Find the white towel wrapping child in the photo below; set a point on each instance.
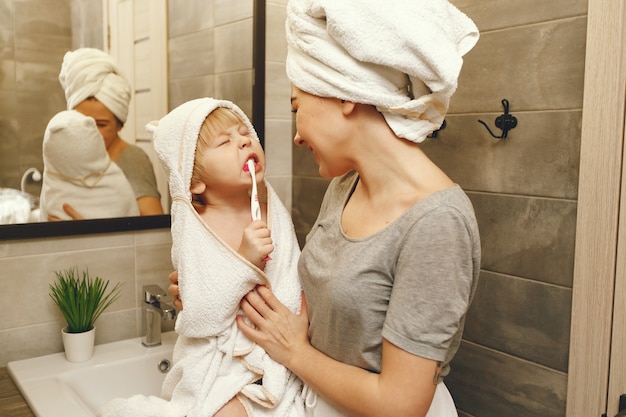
(79, 172)
(213, 361)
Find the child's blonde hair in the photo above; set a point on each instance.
(215, 123)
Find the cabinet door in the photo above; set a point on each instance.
(137, 40)
(617, 367)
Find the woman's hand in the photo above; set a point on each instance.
(256, 243)
(174, 290)
(281, 333)
(69, 210)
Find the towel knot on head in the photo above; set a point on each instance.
(89, 72)
(404, 57)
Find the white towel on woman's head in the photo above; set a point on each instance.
(79, 172)
(213, 360)
(402, 56)
(89, 72)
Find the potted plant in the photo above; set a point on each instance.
(81, 300)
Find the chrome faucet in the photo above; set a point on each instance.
(155, 311)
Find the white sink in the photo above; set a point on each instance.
(52, 386)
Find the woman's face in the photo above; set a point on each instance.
(321, 127)
(224, 160)
(105, 120)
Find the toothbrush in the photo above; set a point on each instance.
(255, 209)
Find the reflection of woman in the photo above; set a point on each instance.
(79, 172)
(94, 86)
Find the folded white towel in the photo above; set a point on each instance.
(78, 171)
(402, 56)
(213, 360)
(89, 72)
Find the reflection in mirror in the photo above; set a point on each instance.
(212, 51)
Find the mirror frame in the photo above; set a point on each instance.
(124, 224)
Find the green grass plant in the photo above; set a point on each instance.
(82, 300)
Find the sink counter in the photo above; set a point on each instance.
(54, 387)
(12, 403)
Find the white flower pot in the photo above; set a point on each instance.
(78, 346)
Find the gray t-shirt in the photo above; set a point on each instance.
(138, 169)
(411, 282)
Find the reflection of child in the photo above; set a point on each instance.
(79, 172)
(220, 254)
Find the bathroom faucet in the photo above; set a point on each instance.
(154, 312)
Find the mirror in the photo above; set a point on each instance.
(35, 34)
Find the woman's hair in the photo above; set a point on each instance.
(215, 123)
(117, 119)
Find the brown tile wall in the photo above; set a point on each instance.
(34, 35)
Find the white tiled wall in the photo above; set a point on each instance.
(31, 323)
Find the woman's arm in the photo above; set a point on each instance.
(405, 386)
(149, 206)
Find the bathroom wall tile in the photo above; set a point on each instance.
(277, 91)
(227, 11)
(185, 89)
(538, 67)
(192, 55)
(236, 86)
(308, 193)
(37, 47)
(7, 52)
(42, 17)
(30, 341)
(32, 287)
(116, 325)
(87, 21)
(153, 264)
(304, 164)
(64, 244)
(188, 16)
(34, 109)
(6, 14)
(275, 40)
(540, 157)
(233, 46)
(497, 14)
(9, 140)
(278, 147)
(153, 236)
(33, 112)
(283, 188)
(45, 338)
(487, 383)
(525, 318)
(527, 237)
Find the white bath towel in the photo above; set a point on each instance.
(78, 171)
(213, 360)
(402, 56)
(89, 72)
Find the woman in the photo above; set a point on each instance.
(94, 86)
(391, 264)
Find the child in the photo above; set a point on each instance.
(79, 172)
(221, 254)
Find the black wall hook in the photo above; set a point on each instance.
(505, 121)
(436, 132)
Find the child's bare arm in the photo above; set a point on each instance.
(233, 408)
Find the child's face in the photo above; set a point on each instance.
(224, 160)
